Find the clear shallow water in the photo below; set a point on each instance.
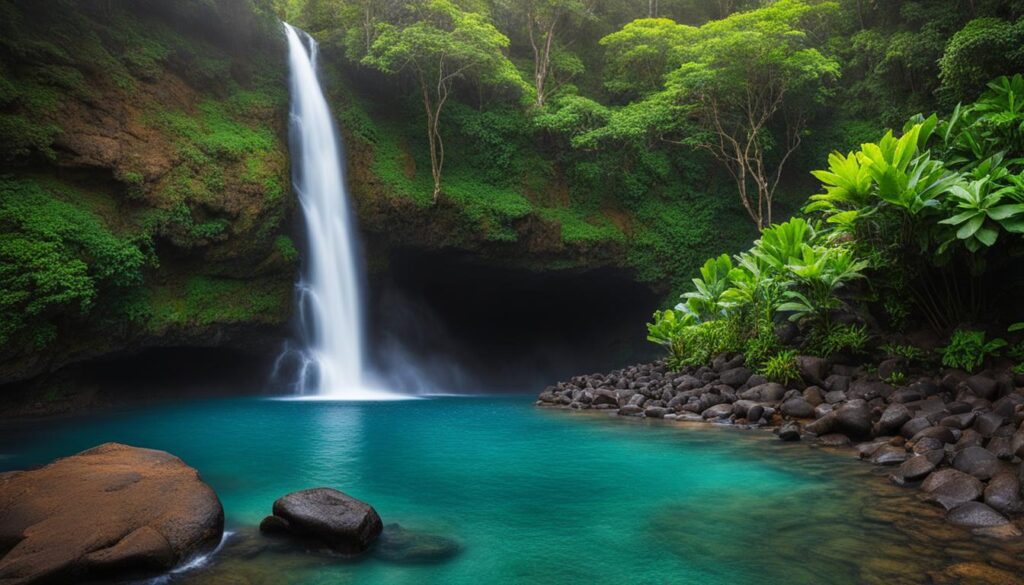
(534, 496)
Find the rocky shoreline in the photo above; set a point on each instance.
(958, 438)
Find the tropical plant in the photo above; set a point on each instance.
(897, 378)
(908, 352)
(983, 210)
(839, 338)
(706, 301)
(782, 367)
(968, 349)
(669, 330)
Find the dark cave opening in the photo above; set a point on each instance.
(489, 328)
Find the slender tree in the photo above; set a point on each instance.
(437, 43)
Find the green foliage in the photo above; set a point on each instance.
(286, 248)
(782, 367)
(983, 49)
(968, 350)
(205, 300)
(214, 131)
(908, 352)
(838, 338)
(670, 329)
(55, 259)
(897, 378)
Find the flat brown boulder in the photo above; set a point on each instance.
(109, 512)
(327, 517)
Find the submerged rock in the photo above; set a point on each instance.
(110, 511)
(325, 516)
(399, 545)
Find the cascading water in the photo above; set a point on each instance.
(329, 296)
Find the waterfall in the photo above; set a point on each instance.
(330, 309)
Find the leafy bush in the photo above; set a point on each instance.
(839, 338)
(921, 213)
(782, 367)
(908, 352)
(55, 258)
(968, 350)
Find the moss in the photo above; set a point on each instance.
(207, 300)
(286, 248)
(215, 132)
(21, 137)
(580, 227)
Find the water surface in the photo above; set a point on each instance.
(534, 495)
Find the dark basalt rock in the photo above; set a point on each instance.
(917, 468)
(113, 510)
(977, 461)
(982, 387)
(736, 377)
(889, 455)
(797, 408)
(949, 488)
(975, 515)
(893, 418)
(1003, 493)
(812, 369)
(789, 432)
(327, 517)
(854, 420)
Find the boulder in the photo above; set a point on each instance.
(789, 431)
(893, 418)
(917, 467)
(770, 392)
(977, 461)
(988, 423)
(813, 370)
(959, 421)
(914, 426)
(655, 412)
(327, 517)
(982, 387)
(755, 413)
(797, 408)
(975, 515)
(605, 396)
(736, 377)
(823, 425)
(941, 433)
(1003, 493)
(814, 395)
(631, 410)
(110, 511)
(949, 488)
(889, 455)
(717, 411)
(853, 419)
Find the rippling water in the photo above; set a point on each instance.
(536, 496)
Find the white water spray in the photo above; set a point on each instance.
(333, 364)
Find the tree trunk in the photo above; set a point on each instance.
(433, 137)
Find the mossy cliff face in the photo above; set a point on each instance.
(509, 199)
(144, 191)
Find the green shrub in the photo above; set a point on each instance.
(55, 258)
(781, 367)
(968, 350)
(908, 352)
